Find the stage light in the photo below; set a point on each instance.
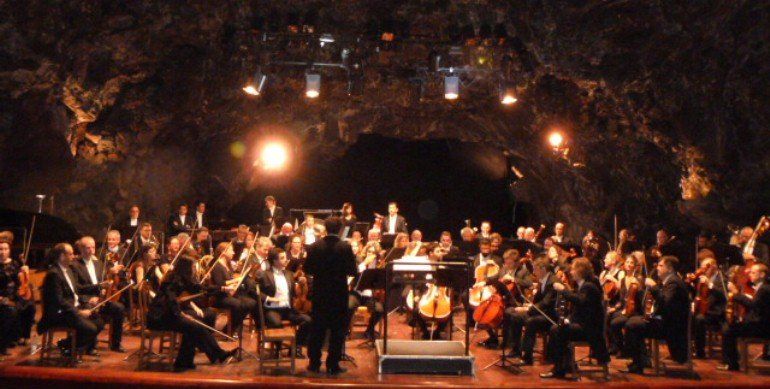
(451, 87)
(312, 85)
(507, 94)
(256, 84)
(556, 139)
(273, 156)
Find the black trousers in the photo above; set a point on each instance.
(731, 333)
(638, 328)
(532, 326)
(700, 323)
(335, 322)
(193, 336)
(376, 310)
(240, 307)
(617, 321)
(273, 317)
(115, 314)
(559, 338)
(86, 329)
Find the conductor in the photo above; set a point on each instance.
(330, 261)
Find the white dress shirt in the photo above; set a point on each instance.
(199, 219)
(69, 282)
(133, 222)
(91, 270)
(281, 290)
(392, 224)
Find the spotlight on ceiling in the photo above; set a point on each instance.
(312, 85)
(255, 84)
(556, 139)
(273, 156)
(451, 87)
(508, 94)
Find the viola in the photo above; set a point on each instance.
(301, 302)
(630, 306)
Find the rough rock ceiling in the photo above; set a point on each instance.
(664, 103)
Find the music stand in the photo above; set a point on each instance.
(387, 240)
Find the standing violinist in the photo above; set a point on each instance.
(531, 316)
(668, 319)
(91, 272)
(16, 313)
(585, 322)
(755, 322)
(710, 302)
(627, 305)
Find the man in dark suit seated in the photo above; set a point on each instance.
(669, 319)
(180, 221)
(530, 316)
(585, 322)
(755, 321)
(91, 272)
(277, 284)
(62, 305)
(330, 261)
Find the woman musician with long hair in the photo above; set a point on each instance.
(170, 311)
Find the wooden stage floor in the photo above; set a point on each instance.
(21, 370)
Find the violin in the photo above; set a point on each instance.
(24, 291)
(301, 302)
(630, 303)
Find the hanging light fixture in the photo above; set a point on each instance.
(507, 94)
(255, 84)
(451, 87)
(312, 85)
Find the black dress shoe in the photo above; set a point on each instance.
(490, 344)
(552, 374)
(118, 349)
(633, 368)
(336, 371)
(227, 356)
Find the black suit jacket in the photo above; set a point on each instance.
(267, 284)
(176, 226)
(400, 224)
(545, 300)
(58, 299)
(330, 261)
(84, 280)
(672, 304)
(588, 310)
(126, 229)
(277, 217)
(759, 306)
(194, 216)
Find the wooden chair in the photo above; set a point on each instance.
(713, 338)
(748, 363)
(277, 337)
(589, 368)
(49, 349)
(167, 340)
(659, 366)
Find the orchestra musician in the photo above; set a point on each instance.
(17, 314)
(281, 238)
(668, 319)
(145, 270)
(393, 223)
(356, 242)
(91, 272)
(239, 241)
(485, 254)
(128, 225)
(485, 230)
(760, 251)
(513, 272)
(558, 233)
(307, 229)
(63, 305)
(145, 238)
(223, 289)
(180, 221)
(272, 215)
(201, 218)
(710, 302)
(531, 318)
(446, 246)
(167, 313)
(349, 220)
(296, 253)
(329, 261)
(277, 285)
(627, 304)
(585, 321)
(755, 322)
(369, 258)
(203, 243)
(172, 249)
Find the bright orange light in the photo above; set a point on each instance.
(508, 99)
(250, 89)
(273, 156)
(555, 139)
